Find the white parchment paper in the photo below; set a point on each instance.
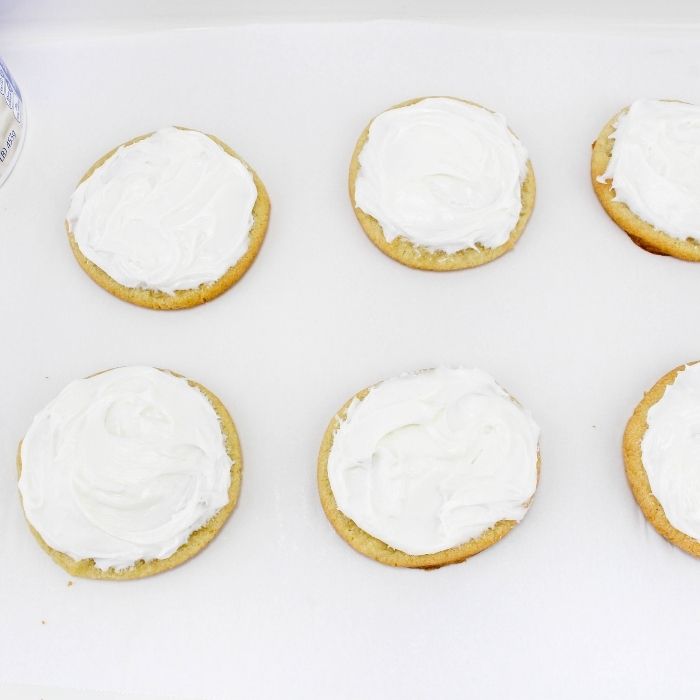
(583, 599)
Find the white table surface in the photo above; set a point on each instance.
(583, 599)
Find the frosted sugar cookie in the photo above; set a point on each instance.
(645, 170)
(428, 468)
(661, 448)
(168, 220)
(439, 183)
(129, 472)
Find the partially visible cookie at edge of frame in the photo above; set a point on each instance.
(183, 298)
(197, 540)
(636, 473)
(639, 231)
(374, 548)
(419, 257)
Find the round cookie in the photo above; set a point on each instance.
(423, 258)
(197, 540)
(376, 549)
(637, 476)
(641, 232)
(181, 298)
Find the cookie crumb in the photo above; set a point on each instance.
(70, 583)
(43, 622)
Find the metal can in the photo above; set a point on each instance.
(13, 120)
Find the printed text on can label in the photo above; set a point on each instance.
(8, 145)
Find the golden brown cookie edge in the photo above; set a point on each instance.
(374, 548)
(418, 257)
(197, 541)
(639, 231)
(636, 473)
(184, 298)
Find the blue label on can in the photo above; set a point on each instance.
(10, 92)
(12, 122)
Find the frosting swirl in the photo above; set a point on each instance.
(431, 460)
(655, 165)
(124, 466)
(671, 451)
(442, 173)
(169, 212)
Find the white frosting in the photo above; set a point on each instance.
(170, 212)
(442, 173)
(655, 165)
(430, 460)
(124, 466)
(671, 451)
